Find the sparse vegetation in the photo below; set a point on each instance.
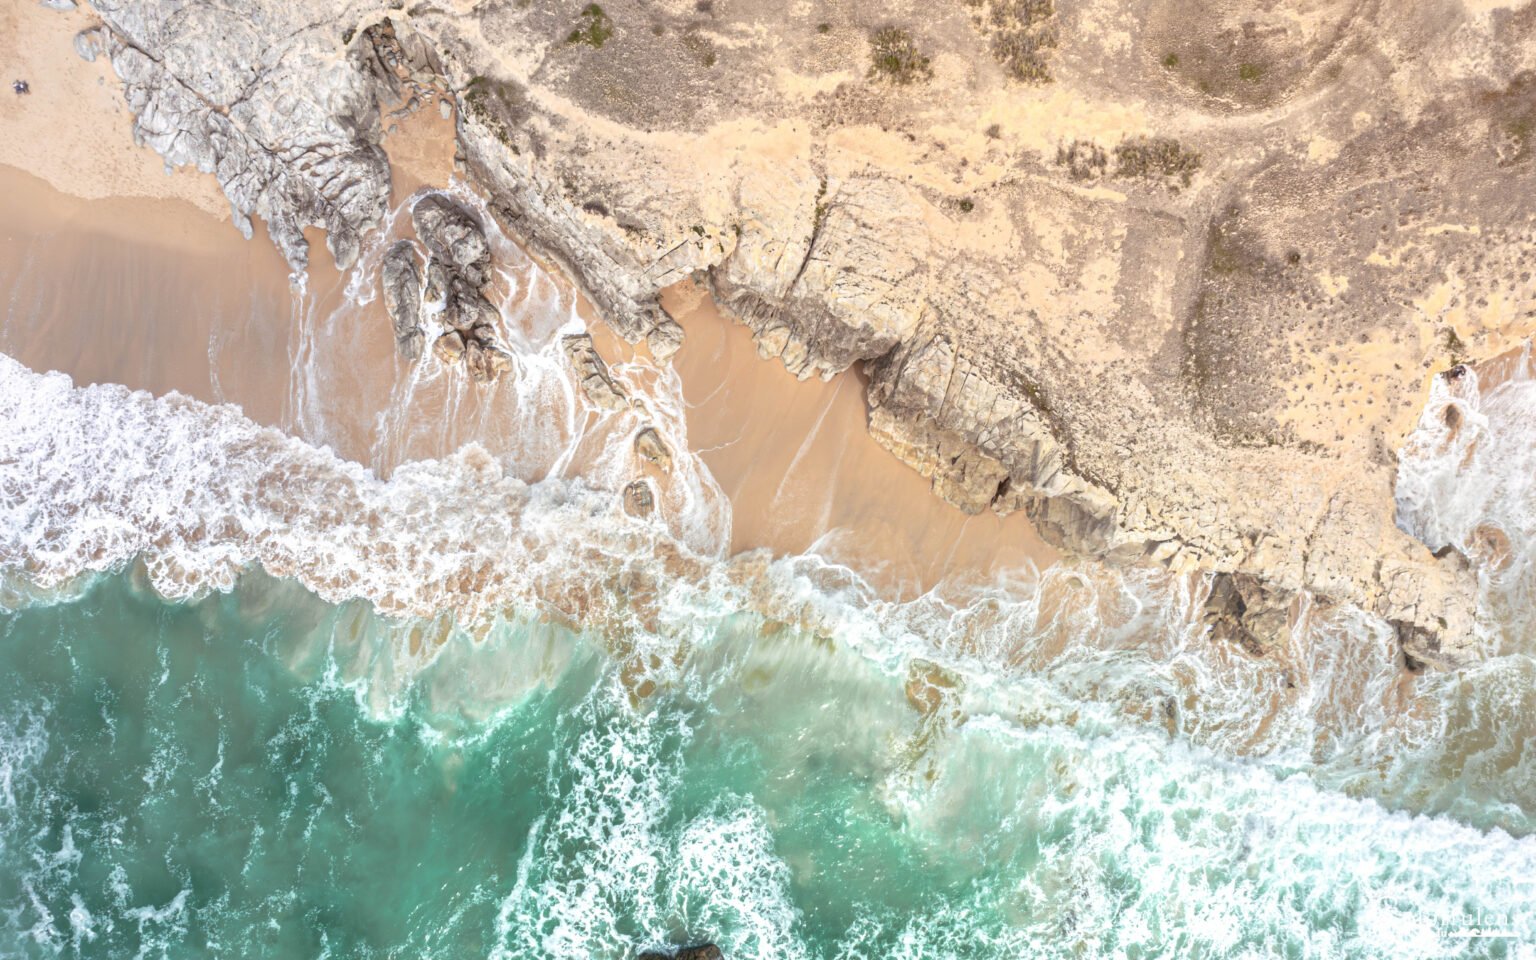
(967, 205)
(1454, 345)
(347, 35)
(1084, 159)
(1250, 72)
(1020, 35)
(1171, 60)
(894, 56)
(700, 48)
(823, 28)
(593, 27)
(496, 104)
(1156, 157)
(995, 132)
(820, 213)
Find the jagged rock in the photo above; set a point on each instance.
(467, 308)
(592, 372)
(449, 347)
(91, 43)
(294, 145)
(1241, 611)
(639, 501)
(454, 236)
(650, 446)
(434, 290)
(402, 296)
(485, 361)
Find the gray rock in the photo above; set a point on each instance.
(91, 43)
(454, 236)
(592, 372)
(402, 294)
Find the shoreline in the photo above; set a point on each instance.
(153, 244)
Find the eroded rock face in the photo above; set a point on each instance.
(451, 295)
(593, 372)
(455, 238)
(1172, 287)
(402, 297)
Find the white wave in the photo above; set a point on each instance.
(1467, 480)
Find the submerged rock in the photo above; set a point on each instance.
(700, 951)
(650, 446)
(638, 499)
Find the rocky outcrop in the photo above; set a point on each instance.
(639, 501)
(1178, 308)
(458, 269)
(401, 282)
(258, 98)
(592, 372)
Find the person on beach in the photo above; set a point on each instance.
(21, 86)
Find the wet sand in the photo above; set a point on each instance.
(797, 461)
(153, 294)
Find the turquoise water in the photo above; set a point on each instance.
(221, 777)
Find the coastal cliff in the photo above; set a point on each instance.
(1174, 278)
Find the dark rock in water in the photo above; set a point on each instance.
(453, 236)
(638, 499)
(699, 951)
(1241, 611)
(593, 372)
(402, 293)
(648, 444)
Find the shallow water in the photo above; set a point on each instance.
(380, 667)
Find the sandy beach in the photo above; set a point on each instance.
(120, 273)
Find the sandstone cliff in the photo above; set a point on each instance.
(1171, 276)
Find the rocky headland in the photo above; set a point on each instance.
(1171, 277)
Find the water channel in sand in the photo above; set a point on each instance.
(160, 296)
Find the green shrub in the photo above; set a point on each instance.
(894, 57)
(593, 27)
(1153, 157)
